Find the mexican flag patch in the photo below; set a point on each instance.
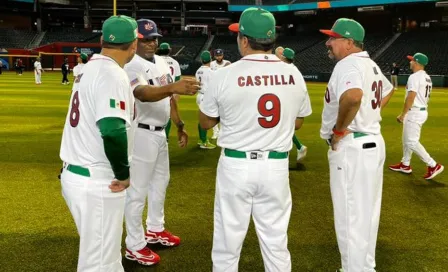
(117, 104)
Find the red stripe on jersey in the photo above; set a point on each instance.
(122, 105)
(262, 60)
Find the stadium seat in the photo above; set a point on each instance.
(189, 45)
(432, 43)
(11, 38)
(67, 35)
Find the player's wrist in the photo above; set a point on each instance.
(180, 125)
(339, 132)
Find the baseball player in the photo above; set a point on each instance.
(65, 69)
(82, 60)
(38, 71)
(164, 51)
(351, 117)
(259, 101)
(287, 55)
(203, 75)
(394, 75)
(413, 116)
(218, 63)
(153, 86)
(94, 148)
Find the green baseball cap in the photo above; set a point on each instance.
(164, 46)
(83, 56)
(256, 23)
(120, 29)
(419, 58)
(289, 53)
(206, 56)
(346, 28)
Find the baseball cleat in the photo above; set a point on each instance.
(301, 153)
(143, 256)
(207, 145)
(164, 237)
(400, 167)
(433, 171)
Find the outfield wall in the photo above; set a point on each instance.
(437, 80)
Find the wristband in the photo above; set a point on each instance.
(338, 133)
(180, 125)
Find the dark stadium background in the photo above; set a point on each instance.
(37, 232)
(394, 29)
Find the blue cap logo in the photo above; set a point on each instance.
(147, 28)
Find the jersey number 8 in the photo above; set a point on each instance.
(74, 111)
(271, 115)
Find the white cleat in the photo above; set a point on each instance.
(301, 153)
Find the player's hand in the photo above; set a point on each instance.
(400, 118)
(187, 86)
(182, 137)
(335, 139)
(117, 186)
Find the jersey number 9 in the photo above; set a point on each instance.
(74, 111)
(269, 107)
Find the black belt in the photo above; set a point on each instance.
(152, 128)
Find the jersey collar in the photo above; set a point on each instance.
(102, 57)
(262, 58)
(362, 54)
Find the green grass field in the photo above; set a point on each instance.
(37, 232)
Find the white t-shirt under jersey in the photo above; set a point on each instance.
(173, 65)
(356, 71)
(143, 72)
(421, 83)
(258, 100)
(215, 65)
(101, 91)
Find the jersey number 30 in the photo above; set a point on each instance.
(377, 87)
(269, 107)
(74, 111)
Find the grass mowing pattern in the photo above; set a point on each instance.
(37, 232)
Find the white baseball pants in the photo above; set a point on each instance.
(259, 188)
(37, 77)
(98, 215)
(150, 175)
(412, 127)
(356, 182)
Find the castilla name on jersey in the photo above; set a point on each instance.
(266, 80)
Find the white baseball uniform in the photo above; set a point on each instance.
(150, 163)
(77, 70)
(203, 75)
(37, 72)
(356, 167)
(215, 65)
(101, 91)
(174, 67)
(257, 111)
(421, 83)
